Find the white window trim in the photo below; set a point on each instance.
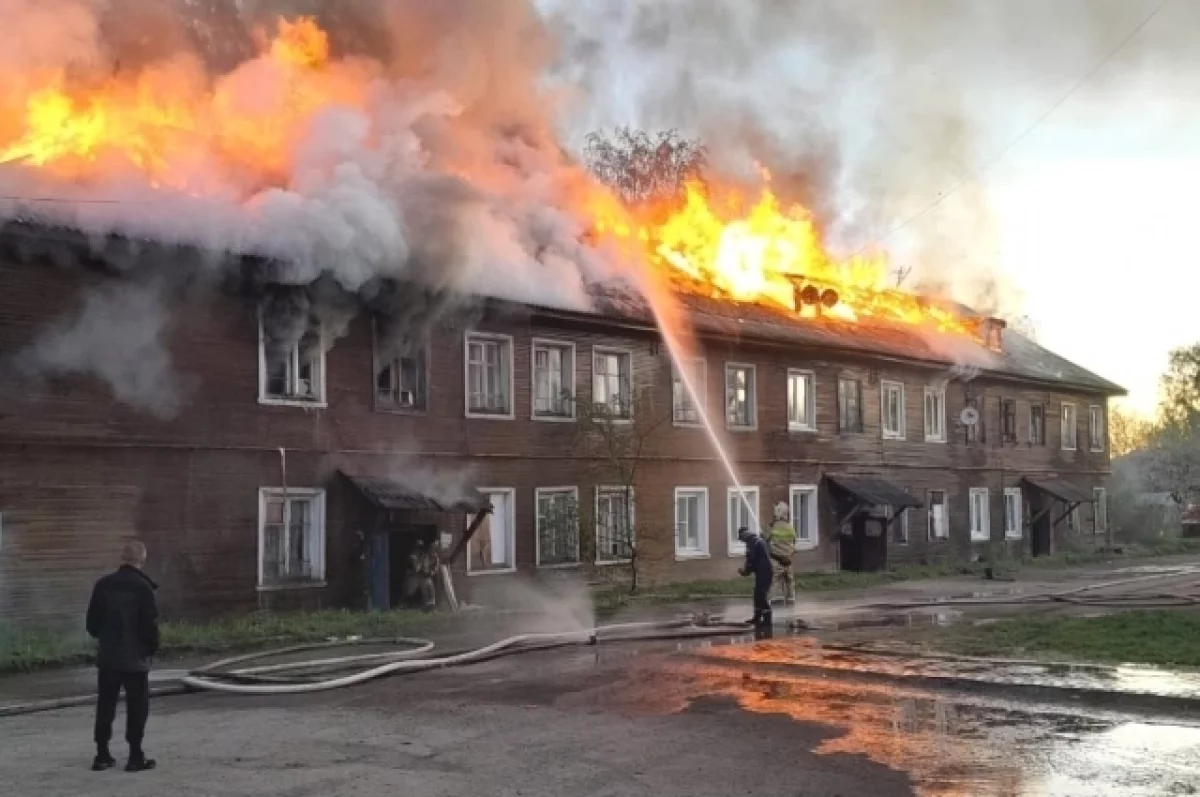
(984, 533)
(930, 532)
(1100, 494)
(733, 546)
(538, 492)
(1062, 431)
(318, 516)
(814, 515)
(571, 388)
(597, 350)
(811, 393)
(884, 384)
(603, 488)
(753, 425)
(1096, 408)
(940, 437)
(263, 399)
(701, 390)
(512, 519)
(1018, 532)
(376, 362)
(684, 554)
(512, 398)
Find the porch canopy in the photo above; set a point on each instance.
(861, 492)
(1059, 490)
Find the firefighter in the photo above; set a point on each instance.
(758, 564)
(423, 567)
(781, 537)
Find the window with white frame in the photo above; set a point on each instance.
(802, 401)
(614, 524)
(1096, 427)
(612, 383)
(291, 358)
(553, 380)
(489, 375)
(685, 411)
(939, 521)
(691, 522)
(291, 537)
(493, 548)
(557, 526)
(740, 411)
(899, 526)
(741, 510)
(400, 376)
(1013, 517)
(1100, 510)
(980, 514)
(802, 498)
(1070, 428)
(935, 414)
(892, 409)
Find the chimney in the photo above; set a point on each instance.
(993, 333)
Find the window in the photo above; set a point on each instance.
(291, 538)
(1100, 516)
(691, 522)
(400, 380)
(1012, 513)
(981, 526)
(740, 512)
(1008, 421)
(1073, 519)
(291, 369)
(850, 415)
(974, 431)
(557, 526)
(614, 524)
(1070, 428)
(802, 401)
(553, 380)
(1096, 427)
(489, 376)
(899, 526)
(803, 501)
(939, 526)
(935, 414)
(739, 397)
(685, 411)
(612, 389)
(1037, 424)
(892, 410)
(493, 548)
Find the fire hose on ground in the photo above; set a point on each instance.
(311, 675)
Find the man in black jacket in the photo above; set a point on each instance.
(758, 564)
(123, 616)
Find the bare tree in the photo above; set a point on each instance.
(615, 437)
(642, 167)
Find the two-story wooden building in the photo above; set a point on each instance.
(298, 470)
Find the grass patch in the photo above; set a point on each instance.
(1169, 638)
(34, 649)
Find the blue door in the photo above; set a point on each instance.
(377, 566)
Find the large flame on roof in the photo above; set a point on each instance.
(722, 242)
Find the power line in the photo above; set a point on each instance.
(1028, 131)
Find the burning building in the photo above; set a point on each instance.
(284, 319)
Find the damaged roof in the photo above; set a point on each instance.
(389, 494)
(1021, 357)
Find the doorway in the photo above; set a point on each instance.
(864, 549)
(1041, 542)
(401, 542)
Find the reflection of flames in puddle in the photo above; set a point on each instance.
(902, 729)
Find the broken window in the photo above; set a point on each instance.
(612, 386)
(291, 350)
(685, 411)
(553, 380)
(489, 375)
(493, 546)
(291, 541)
(850, 416)
(400, 381)
(739, 397)
(557, 526)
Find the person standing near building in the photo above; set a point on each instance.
(782, 539)
(123, 617)
(758, 564)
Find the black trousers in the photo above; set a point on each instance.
(137, 705)
(762, 597)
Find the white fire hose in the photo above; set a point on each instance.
(268, 679)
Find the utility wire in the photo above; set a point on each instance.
(1028, 131)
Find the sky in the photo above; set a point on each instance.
(1054, 146)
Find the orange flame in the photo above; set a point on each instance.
(719, 244)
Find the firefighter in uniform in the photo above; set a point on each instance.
(781, 538)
